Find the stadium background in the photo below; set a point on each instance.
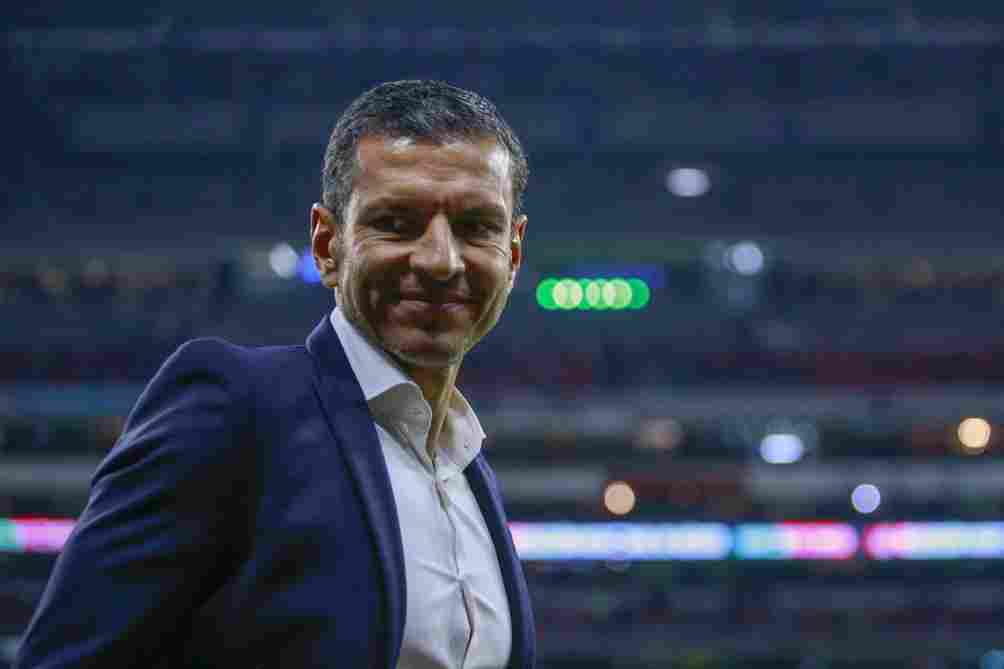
(746, 402)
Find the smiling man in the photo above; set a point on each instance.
(424, 253)
(328, 504)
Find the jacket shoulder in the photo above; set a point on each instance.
(222, 358)
(216, 352)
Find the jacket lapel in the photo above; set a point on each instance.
(485, 489)
(350, 420)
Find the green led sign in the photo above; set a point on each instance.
(593, 294)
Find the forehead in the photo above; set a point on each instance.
(410, 168)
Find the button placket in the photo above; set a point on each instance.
(444, 500)
(471, 611)
(465, 595)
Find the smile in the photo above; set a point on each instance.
(432, 306)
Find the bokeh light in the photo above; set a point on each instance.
(782, 448)
(745, 258)
(659, 434)
(688, 182)
(974, 434)
(596, 294)
(866, 498)
(283, 260)
(619, 498)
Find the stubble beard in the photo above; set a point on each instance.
(354, 315)
(489, 319)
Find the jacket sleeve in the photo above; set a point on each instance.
(166, 518)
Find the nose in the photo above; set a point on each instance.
(437, 254)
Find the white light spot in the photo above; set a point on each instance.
(782, 448)
(688, 182)
(283, 260)
(619, 498)
(866, 498)
(744, 258)
(974, 434)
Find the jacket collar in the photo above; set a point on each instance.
(485, 488)
(352, 425)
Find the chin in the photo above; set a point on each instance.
(427, 352)
(431, 359)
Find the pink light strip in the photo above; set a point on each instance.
(41, 535)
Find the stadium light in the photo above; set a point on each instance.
(974, 434)
(688, 182)
(782, 448)
(744, 258)
(866, 498)
(945, 540)
(283, 260)
(820, 540)
(593, 294)
(619, 498)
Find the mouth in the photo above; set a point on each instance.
(433, 304)
(443, 299)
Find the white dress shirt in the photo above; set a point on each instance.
(457, 615)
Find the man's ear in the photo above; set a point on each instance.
(516, 247)
(324, 243)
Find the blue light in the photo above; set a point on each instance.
(622, 541)
(993, 659)
(306, 268)
(782, 448)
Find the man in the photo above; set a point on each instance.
(325, 505)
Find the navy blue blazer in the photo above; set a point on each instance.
(245, 518)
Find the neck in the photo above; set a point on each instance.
(437, 384)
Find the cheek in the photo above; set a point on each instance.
(492, 264)
(494, 284)
(370, 285)
(501, 277)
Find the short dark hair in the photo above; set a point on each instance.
(416, 109)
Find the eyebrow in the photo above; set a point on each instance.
(385, 204)
(390, 203)
(486, 210)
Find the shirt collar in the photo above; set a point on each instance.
(378, 374)
(376, 371)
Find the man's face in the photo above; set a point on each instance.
(425, 259)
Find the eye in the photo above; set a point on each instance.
(396, 223)
(480, 226)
